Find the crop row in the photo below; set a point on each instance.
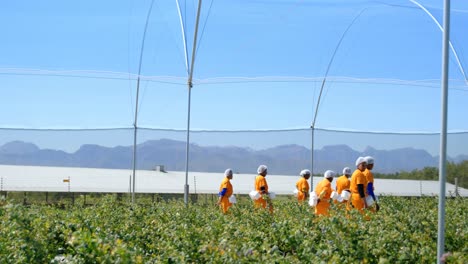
(404, 231)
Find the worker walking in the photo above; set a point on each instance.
(357, 186)
(261, 186)
(302, 186)
(370, 180)
(323, 192)
(225, 191)
(343, 183)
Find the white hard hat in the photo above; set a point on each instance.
(262, 168)
(228, 172)
(369, 160)
(329, 174)
(347, 171)
(360, 160)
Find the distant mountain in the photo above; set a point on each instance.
(460, 158)
(284, 159)
(18, 147)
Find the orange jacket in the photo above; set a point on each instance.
(302, 185)
(342, 183)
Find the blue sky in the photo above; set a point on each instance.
(259, 65)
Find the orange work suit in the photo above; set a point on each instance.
(323, 191)
(225, 204)
(260, 182)
(342, 183)
(369, 179)
(357, 178)
(302, 185)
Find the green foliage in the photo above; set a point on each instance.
(454, 170)
(404, 231)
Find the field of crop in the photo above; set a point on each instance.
(404, 231)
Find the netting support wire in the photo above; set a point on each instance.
(443, 134)
(135, 123)
(460, 66)
(323, 85)
(190, 85)
(312, 131)
(183, 35)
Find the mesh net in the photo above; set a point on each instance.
(366, 74)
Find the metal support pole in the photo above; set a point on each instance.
(312, 159)
(187, 146)
(135, 127)
(420, 188)
(190, 85)
(443, 134)
(322, 87)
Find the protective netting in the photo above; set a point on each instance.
(286, 152)
(70, 71)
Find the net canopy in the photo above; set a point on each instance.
(364, 73)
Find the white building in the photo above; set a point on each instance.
(65, 179)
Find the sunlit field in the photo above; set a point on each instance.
(403, 231)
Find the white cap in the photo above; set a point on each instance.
(228, 172)
(369, 160)
(329, 174)
(360, 160)
(347, 171)
(305, 172)
(262, 168)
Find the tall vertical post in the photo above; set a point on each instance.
(190, 85)
(135, 123)
(443, 134)
(187, 146)
(323, 85)
(420, 188)
(312, 159)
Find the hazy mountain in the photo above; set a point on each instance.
(460, 158)
(285, 159)
(18, 148)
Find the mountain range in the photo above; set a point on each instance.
(283, 160)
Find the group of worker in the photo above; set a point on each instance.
(355, 190)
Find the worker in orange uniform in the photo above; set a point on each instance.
(225, 191)
(343, 182)
(324, 191)
(358, 185)
(302, 186)
(261, 186)
(370, 180)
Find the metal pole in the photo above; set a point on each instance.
(323, 85)
(135, 127)
(443, 134)
(187, 146)
(190, 85)
(455, 54)
(312, 159)
(130, 184)
(420, 188)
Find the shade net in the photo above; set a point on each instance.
(77, 79)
